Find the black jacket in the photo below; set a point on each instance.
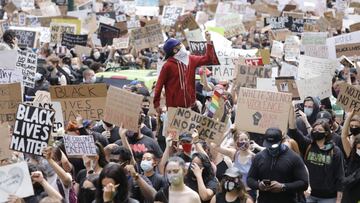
(288, 168)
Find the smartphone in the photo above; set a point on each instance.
(267, 182)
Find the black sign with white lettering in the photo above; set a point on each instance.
(282, 22)
(26, 38)
(32, 129)
(197, 47)
(70, 40)
(107, 33)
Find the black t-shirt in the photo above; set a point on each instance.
(114, 133)
(158, 181)
(211, 184)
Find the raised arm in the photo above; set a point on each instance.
(344, 134)
(61, 173)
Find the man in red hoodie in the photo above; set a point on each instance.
(178, 74)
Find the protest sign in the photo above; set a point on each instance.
(197, 47)
(259, 110)
(355, 27)
(312, 67)
(186, 120)
(246, 75)
(27, 62)
(319, 51)
(277, 49)
(265, 56)
(314, 38)
(123, 107)
(26, 38)
(147, 37)
(353, 37)
(42, 97)
(82, 51)
(279, 35)
(348, 50)
(79, 145)
(88, 100)
(283, 22)
(228, 56)
(9, 72)
(346, 62)
(133, 22)
(266, 84)
(292, 48)
(32, 129)
(58, 29)
(318, 86)
(107, 33)
(186, 21)
(147, 2)
(15, 180)
(223, 73)
(287, 85)
(194, 35)
(348, 98)
(121, 43)
(170, 15)
(288, 70)
(10, 97)
(5, 152)
(70, 40)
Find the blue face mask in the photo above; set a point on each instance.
(308, 111)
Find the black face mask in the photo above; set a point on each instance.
(50, 68)
(355, 131)
(317, 135)
(88, 195)
(145, 110)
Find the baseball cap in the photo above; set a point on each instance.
(324, 115)
(169, 45)
(185, 137)
(233, 172)
(272, 136)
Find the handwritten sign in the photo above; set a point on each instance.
(27, 62)
(355, 27)
(147, 37)
(15, 180)
(292, 48)
(121, 43)
(58, 29)
(86, 100)
(314, 38)
(348, 50)
(70, 40)
(123, 107)
(348, 98)
(287, 85)
(9, 72)
(223, 73)
(170, 15)
(288, 70)
(312, 67)
(353, 37)
(315, 86)
(107, 33)
(10, 97)
(246, 75)
(77, 146)
(259, 110)
(277, 49)
(26, 38)
(197, 47)
(319, 51)
(186, 120)
(32, 129)
(5, 152)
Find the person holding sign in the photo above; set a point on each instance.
(178, 74)
(10, 41)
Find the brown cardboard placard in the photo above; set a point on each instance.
(246, 75)
(81, 50)
(287, 85)
(147, 37)
(355, 27)
(259, 110)
(88, 100)
(10, 7)
(186, 21)
(5, 152)
(348, 98)
(123, 107)
(279, 35)
(186, 120)
(10, 97)
(348, 50)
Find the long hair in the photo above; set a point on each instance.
(208, 172)
(100, 151)
(117, 173)
(353, 149)
(326, 127)
(241, 190)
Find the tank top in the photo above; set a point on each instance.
(220, 169)
(220, 198)
(244, 168)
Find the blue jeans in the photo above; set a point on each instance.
(312, 199)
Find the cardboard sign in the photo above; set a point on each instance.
(26, 38)
(123, 107)
(5, 152)
(277, 49)
(27, 62)
(107, 33)
(312, 67)
(121, 43)
(186, 21)
(353, 37)
(223, 73)
(315, 86)
(259, 110)
(287, 85)
(15, 180)
(266, 84)
(70, 40)
(279, 35)
(32, 129)
(82, 51)
(314, 38)
(88, 100)
(9, 72)
(292, 48)
(288, 70)
(246, 75)
(348, 50)
(319, 51)
(355, 27)
(197, 47)
(147, 37)
(10, 97)
(348, 98)
(78, 146)
(186, 120)
(58, 29)
(170, 15)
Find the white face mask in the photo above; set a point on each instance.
(182, 55)
(97, 55)
(358, 152)
(93, 79)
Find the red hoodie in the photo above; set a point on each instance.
(179, 79)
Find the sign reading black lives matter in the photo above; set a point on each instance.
(70, 40)
(76, 146)
(32, 129)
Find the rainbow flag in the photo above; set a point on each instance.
(214, 102)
